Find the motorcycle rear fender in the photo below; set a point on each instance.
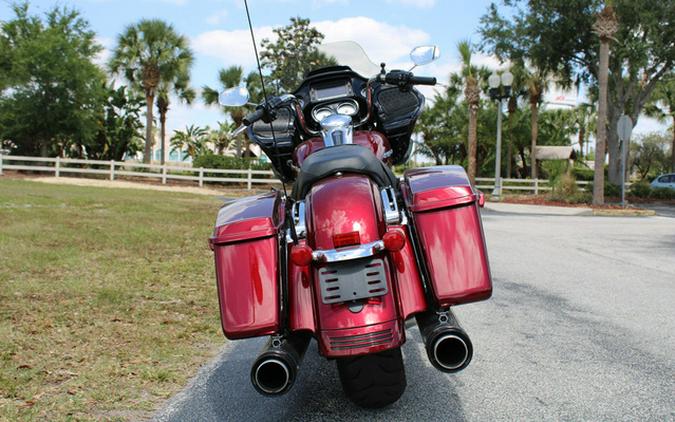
(338, 205)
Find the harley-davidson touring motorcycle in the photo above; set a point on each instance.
(354, 252)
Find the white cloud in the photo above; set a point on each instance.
(381, 41)
(102, 57)
(218, 17)
(230, 47)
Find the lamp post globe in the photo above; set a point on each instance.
(507, 79)
(493, 80)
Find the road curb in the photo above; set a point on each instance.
(623, 212)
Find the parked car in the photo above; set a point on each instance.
(664, 181)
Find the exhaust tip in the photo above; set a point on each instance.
(272, 376)
(451, 352)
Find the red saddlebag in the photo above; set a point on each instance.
(247, 265)
(448, 224)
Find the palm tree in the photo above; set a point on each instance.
(191, 141)
(180, 88)
(221, 138)
(536, 84)
(472, 98)
(584, 116)
(229, 78)
(606, 25)
(517, 90)
(149, 54)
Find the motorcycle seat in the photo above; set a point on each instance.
(350, 158)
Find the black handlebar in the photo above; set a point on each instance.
(423, 80)
(404, 79)
(254, 116)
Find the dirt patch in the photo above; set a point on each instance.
(125, 184)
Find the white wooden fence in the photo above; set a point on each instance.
(524, 185)
(113, 169)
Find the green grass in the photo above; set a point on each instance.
(107, 299)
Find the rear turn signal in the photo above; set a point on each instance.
(301, 255)
(394, 240)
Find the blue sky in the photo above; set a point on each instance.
(387, 29)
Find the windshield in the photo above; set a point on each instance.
(349, 53)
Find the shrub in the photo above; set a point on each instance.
(583, 173)
(565, 189)
(662, 193)
(611, 190)
(215, 161)
(641, 189)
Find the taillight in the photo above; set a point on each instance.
(346, 239)
(301, 255)
(394, 240)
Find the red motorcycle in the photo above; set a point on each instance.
(354, 252)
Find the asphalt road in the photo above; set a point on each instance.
(581, 327)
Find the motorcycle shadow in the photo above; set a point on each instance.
(226, 393)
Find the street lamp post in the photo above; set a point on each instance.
(500, 89)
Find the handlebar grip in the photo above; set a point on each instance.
(254, 116)
(423, 80)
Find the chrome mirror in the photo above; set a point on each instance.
(424, 54)
(233, 97)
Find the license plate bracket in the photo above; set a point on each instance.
(352, 280)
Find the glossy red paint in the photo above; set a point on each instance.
(341, 205)
(361, 340)
(438, 187)
(300, 297)
(411, 296)
(377, 143)
(246, 254)
(448, 223)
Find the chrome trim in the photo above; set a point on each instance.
(337, 129)
(347, 254)
(390, 207)
(298, 215)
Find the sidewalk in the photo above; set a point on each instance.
(527, 209)
(501, 207)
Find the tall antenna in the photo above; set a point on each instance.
(262, 82)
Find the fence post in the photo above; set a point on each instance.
(57, 172)
(0, 162)
(249, 182)
(112, 170)
(536, 186)
(201, 176)
(164, 174)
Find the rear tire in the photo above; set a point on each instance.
(373, 381)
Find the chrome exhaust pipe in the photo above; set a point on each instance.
(276, 368)
(448, 346)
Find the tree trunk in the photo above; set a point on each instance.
(601, 137)
(672, 149)
(509, 147)
(149, 103)
(512, 107)
(473, 142)
(534, 122)
(582, 134)
(162, 136)
(521, 151)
